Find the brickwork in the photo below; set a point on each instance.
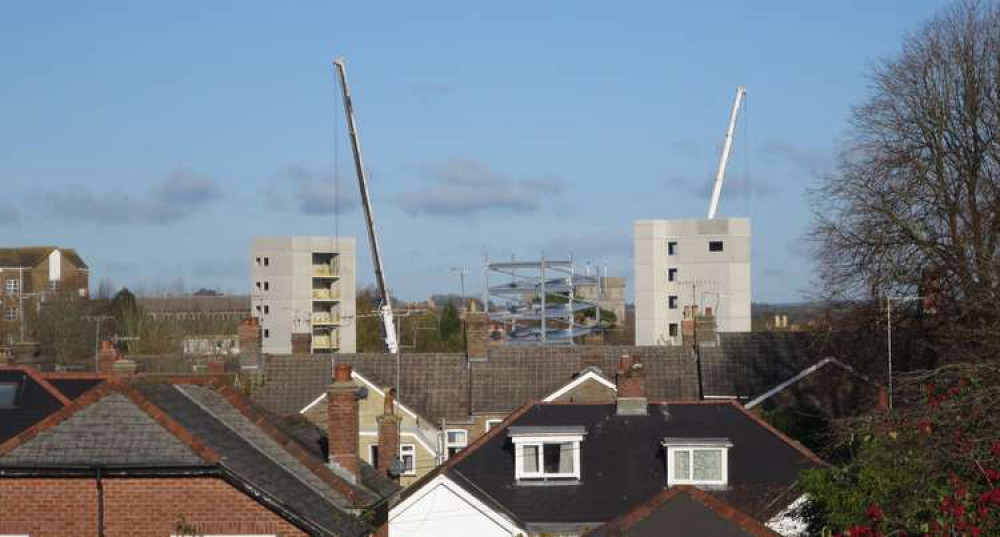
(51, 507)
(342, 420)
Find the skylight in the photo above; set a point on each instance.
(8, 394)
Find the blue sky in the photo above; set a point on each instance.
(159, 138)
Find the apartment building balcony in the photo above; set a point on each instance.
(325, 319)
(325, 295)
(325, 341)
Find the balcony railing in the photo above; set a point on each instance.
(324, 342)
(325, 271)
(325, 294)
(324, 318)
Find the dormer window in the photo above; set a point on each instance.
(546, 453)
(697, 461)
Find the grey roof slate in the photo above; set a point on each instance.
(623, 464)
(112, 431)
(446, 386)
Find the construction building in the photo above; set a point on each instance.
(684, 263)
(302, 293)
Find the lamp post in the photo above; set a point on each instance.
(462, 271)
(888, 332)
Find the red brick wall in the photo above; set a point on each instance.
(132, 506)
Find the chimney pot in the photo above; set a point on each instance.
(342, 373)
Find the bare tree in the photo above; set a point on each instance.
(914, 205)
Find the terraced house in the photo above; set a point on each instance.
(185, 456)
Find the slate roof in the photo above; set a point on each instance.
(445, 386)
(623, 462)
(29, 256)
(195, 423)
(683, 511)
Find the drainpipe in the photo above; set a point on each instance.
(100, 504)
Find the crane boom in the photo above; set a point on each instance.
(385, 302)
(720, 175)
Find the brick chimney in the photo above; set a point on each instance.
(388, 435)
(249, 335)
(342, 421)
(216, 366)
(477, 326)
(124, 368)
(106, 357)
(631, 391)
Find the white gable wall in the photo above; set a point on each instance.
(441, 508)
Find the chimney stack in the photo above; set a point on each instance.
(249, 336)
(631, 391)
(124, 368)
(216, 366)
(106, 357)
(342, 421)
(388, 436)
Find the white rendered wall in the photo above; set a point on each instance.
(288, 299)
(443, 509)
(720, 280)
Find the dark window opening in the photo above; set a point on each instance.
(672, 329)
(672, 248)
(672, 302)
(714, 246)
(672, 275)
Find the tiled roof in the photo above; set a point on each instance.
(445, 386)
(112, 430)
(622, 461)
(684, 511)
(29, 256)
(193, 422)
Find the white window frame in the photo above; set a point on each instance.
(672, 450)
(448, 444)
(12, 287)
(490, 424)
(11, 313)
(408, 450)
(53, 285)
(520, 442)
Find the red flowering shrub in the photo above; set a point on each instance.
(931, 467)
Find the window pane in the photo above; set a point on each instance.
(566, 457)
(457, 438)
(682, 464)
(530, 458)
(707, 465)
(551, 457)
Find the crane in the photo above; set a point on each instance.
(720, 175)
(385, 302)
